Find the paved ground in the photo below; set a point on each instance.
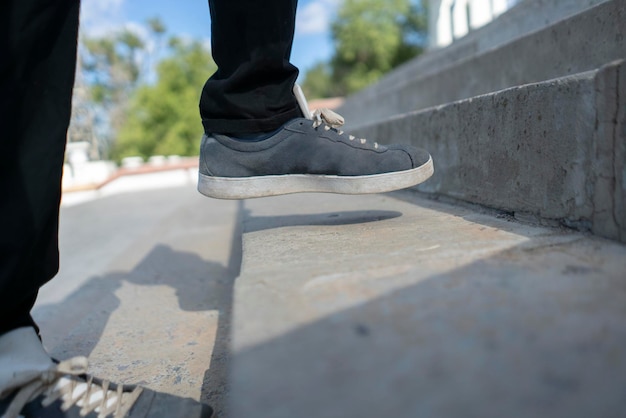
(145, 290)
(343, 306)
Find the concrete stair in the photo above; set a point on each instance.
(545, 136)
(552, 152)
(492, 293)
(395, 305)
(517, 48)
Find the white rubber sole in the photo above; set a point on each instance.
(263, 186)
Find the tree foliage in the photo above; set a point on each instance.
(111, 68)
(318, 81)
(371, 37)
(146, 109)
(163, 119)
(111, 64)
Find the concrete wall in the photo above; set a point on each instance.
(552, 151)
(580, 43)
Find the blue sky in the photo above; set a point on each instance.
(191, 19)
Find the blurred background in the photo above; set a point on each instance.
(142, 66)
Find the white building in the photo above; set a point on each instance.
(452, 19)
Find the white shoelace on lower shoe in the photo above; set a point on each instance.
(60, 383)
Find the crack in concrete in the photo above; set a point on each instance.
(606, 193)
(615, 135)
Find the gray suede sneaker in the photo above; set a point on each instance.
(309, 154)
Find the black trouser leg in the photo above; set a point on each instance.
(37, 65)
(252, 88)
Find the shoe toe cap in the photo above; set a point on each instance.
(418, 156)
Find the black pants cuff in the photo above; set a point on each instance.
(241, 126)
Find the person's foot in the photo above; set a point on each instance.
(31, 385)
(307, 155)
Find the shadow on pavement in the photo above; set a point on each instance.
(261, 223)
(494, 338)
(156, 324)
(126, 323)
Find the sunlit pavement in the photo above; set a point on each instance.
(145, 289)
(381, 305)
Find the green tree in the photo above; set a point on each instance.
(156, 25)
(111, 69)
(163, 118)
(371, 37)
(111, 63)
(414, 32)
(318, 81)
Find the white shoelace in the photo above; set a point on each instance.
(331, 120)
(324, 116)
(59, 382)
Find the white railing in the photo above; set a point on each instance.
(453, 19)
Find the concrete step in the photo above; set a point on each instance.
(398, 306)
(554, 151)
(494, 58)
